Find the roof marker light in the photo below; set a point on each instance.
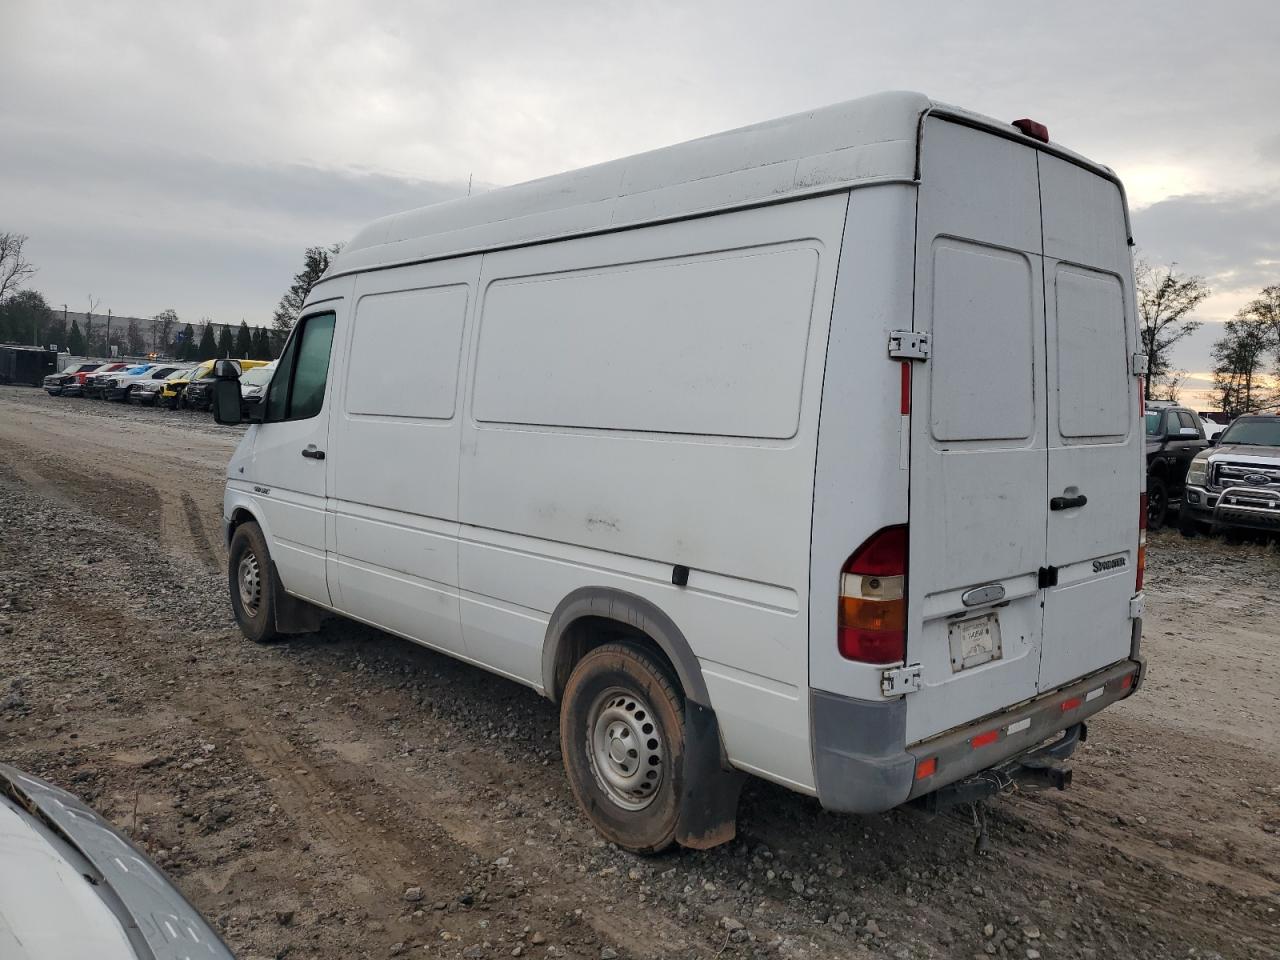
(1036, 131)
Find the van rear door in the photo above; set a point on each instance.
(1025, 455)
(979, 457)
(1095, 447)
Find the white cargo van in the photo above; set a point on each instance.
(809, 450)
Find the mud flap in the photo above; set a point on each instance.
(293, 615)
(709, 808)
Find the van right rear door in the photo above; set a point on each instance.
(1096, 454)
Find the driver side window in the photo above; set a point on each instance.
(297, 389)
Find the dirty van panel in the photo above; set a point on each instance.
(978, 450)
(1094, 444)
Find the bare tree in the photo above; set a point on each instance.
(1239, 356)
(165, 320)
(1165, 302)
(15, 270)
(1265, 310)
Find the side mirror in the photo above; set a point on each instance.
(227, 370)
(1213, 441)
(1189, 432)
(226, 401)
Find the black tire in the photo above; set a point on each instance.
(257, 621)
(621, 687)
(1157, 503)
(1187, 525)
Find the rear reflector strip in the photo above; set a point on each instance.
(1126, 681)
(1018, 727)
(982, 739)
(1071, 704)
(926, 768)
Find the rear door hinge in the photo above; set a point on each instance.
(908, 345)
(1048, 577)
(1139, 361)
(896, 681)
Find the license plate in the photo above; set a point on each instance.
(974, 641)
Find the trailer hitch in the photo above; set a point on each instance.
(1043, 767)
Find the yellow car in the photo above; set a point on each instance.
(173, 391)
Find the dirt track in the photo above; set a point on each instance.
(295, 792)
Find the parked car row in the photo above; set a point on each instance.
(170, 383)
(1217, 477)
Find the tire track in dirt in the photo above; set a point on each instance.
(195, 526)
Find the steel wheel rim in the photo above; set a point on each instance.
(249, 582)
(625, 748)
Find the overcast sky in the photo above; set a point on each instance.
(183, 154)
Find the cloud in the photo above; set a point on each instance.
(184, 152)
(145, 229)
(1231, 239)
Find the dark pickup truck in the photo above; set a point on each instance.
(1174, 437)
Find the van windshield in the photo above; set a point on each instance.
(1252, 433)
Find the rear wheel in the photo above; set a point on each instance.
(1157, 503)
(252, 587)
(622, 737)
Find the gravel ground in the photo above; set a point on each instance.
(349, 794)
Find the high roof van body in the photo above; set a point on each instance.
(810, 450)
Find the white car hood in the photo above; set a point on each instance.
(72, 886)
(41, 891)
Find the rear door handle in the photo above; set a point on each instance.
(312, 453)
(1066, 503)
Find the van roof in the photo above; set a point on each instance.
(859, 142)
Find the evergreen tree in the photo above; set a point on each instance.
(225, 343)
(208, 349)
(25, 318)
(186, 346)
(244, 343)
(75, 340)
(315, 263)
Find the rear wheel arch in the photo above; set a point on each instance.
(590, 617)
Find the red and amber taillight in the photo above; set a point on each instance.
(871, 624)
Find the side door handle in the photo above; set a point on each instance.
(1066, 503)
(311, 453)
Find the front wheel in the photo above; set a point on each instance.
(1157, 503)
(622, 737)
(251, 584)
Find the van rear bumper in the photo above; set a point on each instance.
(862, 765)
